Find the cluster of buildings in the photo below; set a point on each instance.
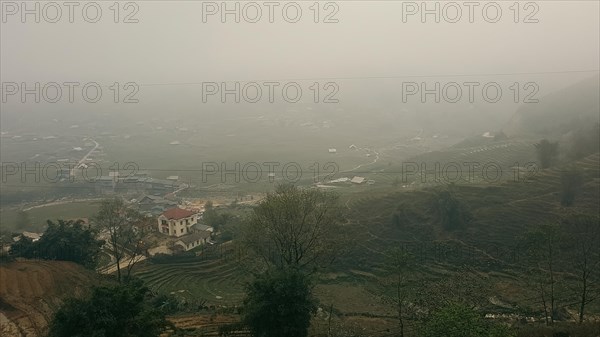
(154, 205)
(136, 183)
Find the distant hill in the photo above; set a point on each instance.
(31, 291)
(488, 245)
(560, 112)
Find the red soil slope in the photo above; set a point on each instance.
(30, 292)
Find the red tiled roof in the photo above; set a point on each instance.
(177, 213)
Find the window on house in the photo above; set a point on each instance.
(182, 230)
(163, 222)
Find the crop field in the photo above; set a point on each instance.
(219, 281)
(53, 211)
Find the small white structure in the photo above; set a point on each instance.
(332, 150)
(339, 180)
(33, 236)
(173, 178)
(357, 180)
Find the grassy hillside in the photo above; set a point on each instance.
(488, 247)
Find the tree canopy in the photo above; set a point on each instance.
(547, 152)
(122, 310)
(295, 227)
(279, 303)
(458, 320)
(64, 240)
(451, 212)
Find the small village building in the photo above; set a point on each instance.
(193, 240)
(177, 221)
(154, 204)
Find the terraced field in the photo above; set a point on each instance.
(219, 281)
(488, 245)
(500, 211)
(503, 154)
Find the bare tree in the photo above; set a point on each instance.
(547, 152)
(571, 182)
(124, 237)
(401, 264)
(295, 227)
(543, 246)
(584, 234)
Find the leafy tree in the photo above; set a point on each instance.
(295, 227)
(547, 152)
(64, 241)
(570, 185)
(213, 218)
(278, 303)
(122, 310)
(125, 238)
(450, 210)
(166, 303)
(25, 247)
(210, 214)
(70, 241)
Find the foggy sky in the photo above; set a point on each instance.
(170, 44)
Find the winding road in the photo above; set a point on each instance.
(85, 157)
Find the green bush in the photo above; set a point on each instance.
(458, 320)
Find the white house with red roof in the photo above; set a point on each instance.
(177, 221)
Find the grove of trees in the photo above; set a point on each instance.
(293, 232)
(63, 240)
(122, 310)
